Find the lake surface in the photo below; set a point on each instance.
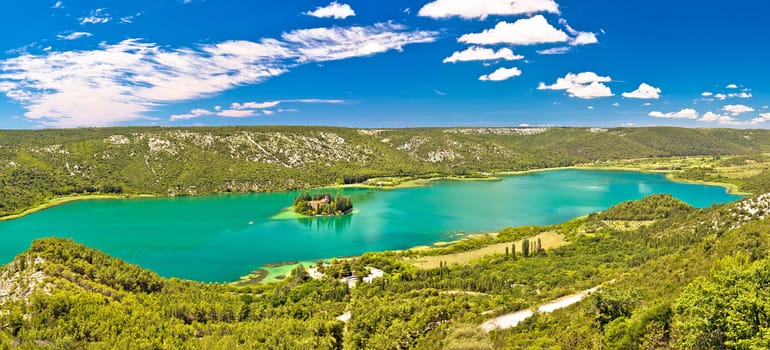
(223, 237)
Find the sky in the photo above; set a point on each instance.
(396, 63)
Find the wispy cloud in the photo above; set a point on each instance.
(333, 10)
(74, 35)
(482, 9)
(328, 44)
(124, 81)
(57, 5)
(250, 109)
(97, 16)
(555, 51)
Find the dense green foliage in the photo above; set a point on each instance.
(38, 165)
(659, 206)
(322, 204)
(758, 184)
(731, 308)
(101, 302)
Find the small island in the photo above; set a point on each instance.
(322, 204)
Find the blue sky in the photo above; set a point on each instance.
(363, 63)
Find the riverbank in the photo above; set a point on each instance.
(275, 272)
(644, 165)
(68, 199)
(397, 182)
(729, 187)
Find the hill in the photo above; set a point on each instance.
(38, 165)
(672, 283)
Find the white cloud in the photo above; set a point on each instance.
(741, 95)
(571, 79)
(687, 113)
(249, 109)
(721, 96)
(528, 31)
(647, 104)
(333, 10)
(124, 81)
(57, 5)
(590, 91)
(227, 113)
(481, 9)
(555, 51)
(475, 53)
(97, 16)
(707, 94)
(579, 38)
(236, 113)
(74, 35)
(644, 91)
(616, 104)
(195, 113)
(590, 107)
(584, 38)
(328, 44)
(732, 86)
(719, 118)
(255, 105)
(586, 85)
(501, 74)
(737, 109)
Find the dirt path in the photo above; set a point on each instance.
(513, 319)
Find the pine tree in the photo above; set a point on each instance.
(525, 248)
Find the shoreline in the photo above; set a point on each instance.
(267, 272)
(412, 183)
(57, 201)
(729, 187)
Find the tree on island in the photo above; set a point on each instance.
(322, 204)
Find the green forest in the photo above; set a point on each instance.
(39, 165)
(322, 204)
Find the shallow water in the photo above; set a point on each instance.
(223, 237)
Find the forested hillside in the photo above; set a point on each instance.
(686, 279)
(38, 165)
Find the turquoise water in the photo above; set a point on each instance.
(220, 238)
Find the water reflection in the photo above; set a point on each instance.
(326, 223)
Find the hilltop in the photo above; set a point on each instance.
(686, 276)
(37, 166)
